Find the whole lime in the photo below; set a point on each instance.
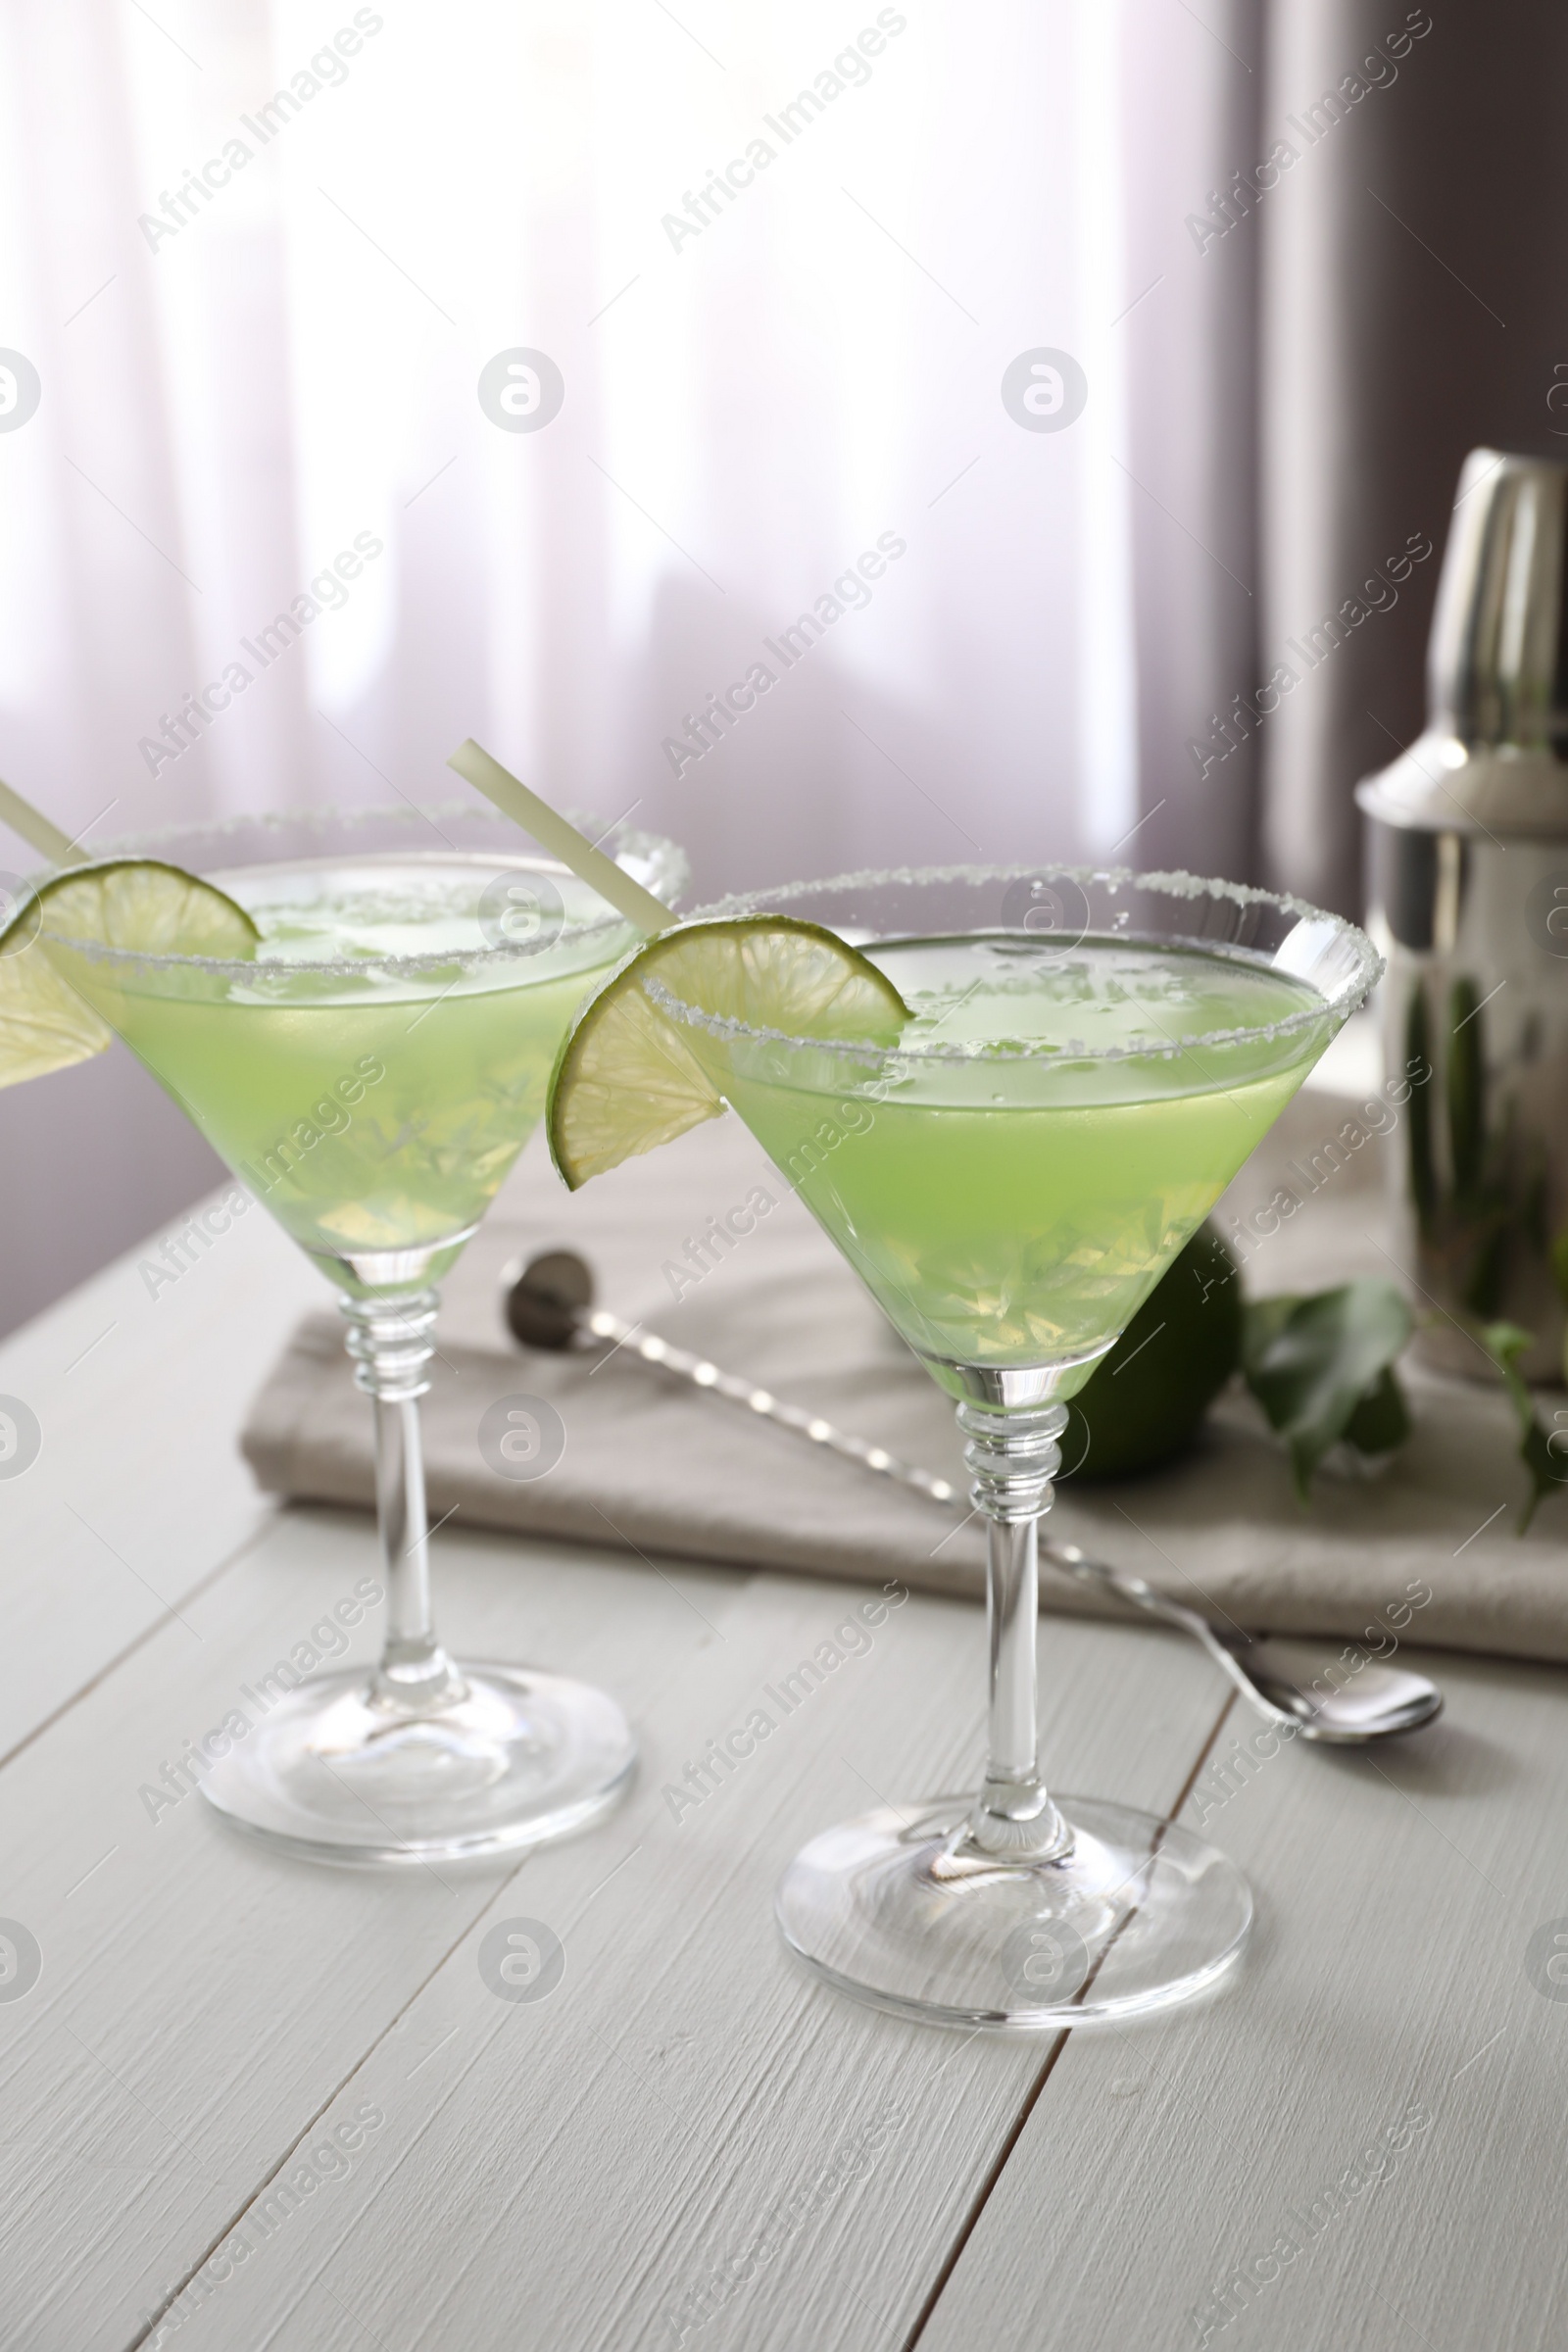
(1142, 1404)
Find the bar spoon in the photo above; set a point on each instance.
(548, 1303)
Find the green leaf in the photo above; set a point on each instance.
(1424, 1187)
(1381, 1422)
(1265, 1320)
(1467, 1088)
(1559, 1264)
(1505, 1342)
(1559, 1268)
(1315, 1363)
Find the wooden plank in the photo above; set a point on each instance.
(200, 1998)
(140, 1384)
(570, 2171)
(203, 2005)
(1381, 2091)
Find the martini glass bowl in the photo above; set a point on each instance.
(1092, 1058)
(369, 1077)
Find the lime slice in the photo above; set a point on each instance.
(626, 1080)
(141, 904)
(138, 904)
(44, 1025)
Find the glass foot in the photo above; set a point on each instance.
(894, 1908)
(333, 1773)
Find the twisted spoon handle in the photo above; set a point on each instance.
(703, 1375)
(1066, 1557)
(568, 1314)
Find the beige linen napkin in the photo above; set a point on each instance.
(651, 1464)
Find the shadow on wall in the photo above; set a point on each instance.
(91, 1160)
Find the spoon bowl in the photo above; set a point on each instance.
(1292, 1682)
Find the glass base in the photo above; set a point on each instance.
(332, 1774)
(895, 1908)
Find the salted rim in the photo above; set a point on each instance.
(664, 863)
(1175, 883)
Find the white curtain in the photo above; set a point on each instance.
(261, 256)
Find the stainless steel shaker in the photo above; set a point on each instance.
(1468, 874)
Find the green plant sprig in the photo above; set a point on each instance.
(1322, 1369)
(1505, 1343)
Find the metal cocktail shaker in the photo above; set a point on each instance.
(1468, 871)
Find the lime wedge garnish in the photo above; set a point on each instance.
(627, 1079)
(44, 1025)
(142, 906)
(137, 904)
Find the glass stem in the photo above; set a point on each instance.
(1013, 1455)
(389, 1339)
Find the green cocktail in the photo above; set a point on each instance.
(1009, 1152)
(369, 1059)
(373, 1073)
(1013, 1183)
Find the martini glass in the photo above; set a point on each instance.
(371, 1077)
(1092, 1058)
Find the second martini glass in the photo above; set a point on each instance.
(1092, 1059)
(371, 1076)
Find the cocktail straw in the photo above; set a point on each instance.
(36, 830)
(550, 830)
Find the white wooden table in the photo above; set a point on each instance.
(251, 2104)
